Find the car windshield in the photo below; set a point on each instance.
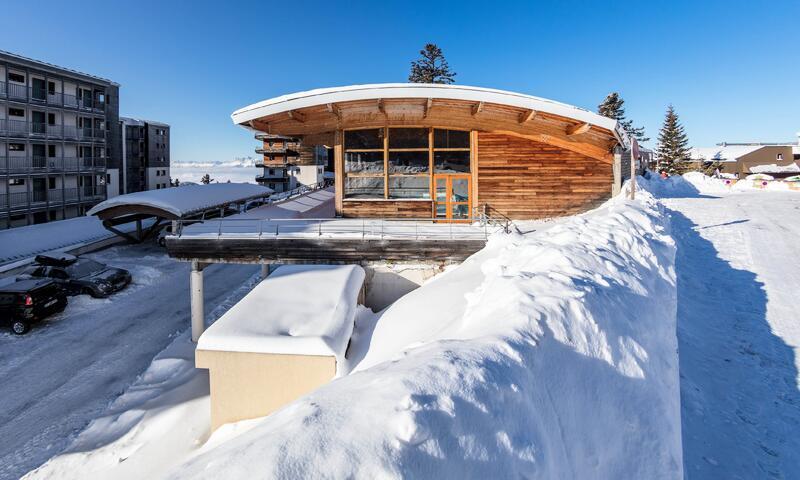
(84, 268)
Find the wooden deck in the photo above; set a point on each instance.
(330, 240)
(320, 250)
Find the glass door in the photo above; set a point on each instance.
(452, 202)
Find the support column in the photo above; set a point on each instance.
(617, 170)
(264, 270)
(196, 292)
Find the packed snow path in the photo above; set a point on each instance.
(66, 371)
(738, 268)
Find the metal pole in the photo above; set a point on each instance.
(264, 270)
(196, 292)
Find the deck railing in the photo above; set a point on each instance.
(343, 228)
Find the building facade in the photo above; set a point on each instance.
(59, 133)
(287, 164)
(742, 159)
(145, 147)
(449, 152)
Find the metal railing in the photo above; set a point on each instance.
(44, 95)
(37, 129)
(342, 228)
(41, 164)
(38, 198)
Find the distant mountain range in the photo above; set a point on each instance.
(242, 162)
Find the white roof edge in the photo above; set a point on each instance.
(322, 96)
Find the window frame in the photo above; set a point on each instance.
(386, 174)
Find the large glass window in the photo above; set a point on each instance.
(364, 161)
(409, 186)
(363, 187)
(450, 139)
(410, 163)
(403, 168)
(408, 138)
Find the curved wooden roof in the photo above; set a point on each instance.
(319, 111)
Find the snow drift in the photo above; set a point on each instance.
(546, 355)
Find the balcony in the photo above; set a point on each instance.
(53, 197)
(21, 128)
(15, 91)
(43, 165)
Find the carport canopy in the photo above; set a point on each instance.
(178, 203)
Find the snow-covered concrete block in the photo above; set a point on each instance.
(281, 341)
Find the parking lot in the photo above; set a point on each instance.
(68, 368)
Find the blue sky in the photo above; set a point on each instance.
(730, 68)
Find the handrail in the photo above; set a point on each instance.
(350, 228)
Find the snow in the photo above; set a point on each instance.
(279, 315)
(186, 199)
(24, 242)
(323, 96)
(546, 355)
(738, 332)
(773, 168)
(71, 367)
(722, 153)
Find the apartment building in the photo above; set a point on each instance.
(145, 157)
(59, 134)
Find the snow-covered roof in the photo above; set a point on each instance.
(298, 309)
(723, 153)
(775, 168)
(141, 122)
(185, 200)
(323, 96)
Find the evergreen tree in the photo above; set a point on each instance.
(431, 67)
(673, 145)
(206, 179)
(612, 108)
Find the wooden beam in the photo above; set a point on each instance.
(334, 110)
(477, 108)
(427, 107)
(527, 116)
(297, 116)
(578, 129)
(338, 170)
(382, 108)
(592, 151)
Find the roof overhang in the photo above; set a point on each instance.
(320, 110)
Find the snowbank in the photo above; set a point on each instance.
(549, 355)
(281, 316)
(775, 168)
(187, 199)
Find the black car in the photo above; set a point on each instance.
(27, 301)
(80, 275)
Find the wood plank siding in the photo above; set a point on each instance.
(320, 250)
(387, 209)
(525, 179)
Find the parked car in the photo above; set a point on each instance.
(24, 302)
(80, 275)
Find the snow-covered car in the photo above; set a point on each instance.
(80, 275)
(26, 301)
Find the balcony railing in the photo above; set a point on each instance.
(42, 95)
(16, 91)
(57, 196)
(21, 128)
(39, 164)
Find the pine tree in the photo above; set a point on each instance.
(431, 67)
(612, 108)
(673, 145)
(206, 179)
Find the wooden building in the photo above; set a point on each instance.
(448, 151)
